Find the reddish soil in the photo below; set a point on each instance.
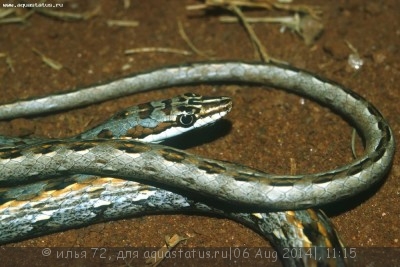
(270, 129)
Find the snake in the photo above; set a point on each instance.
(281, 207)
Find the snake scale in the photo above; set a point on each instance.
(211, 181)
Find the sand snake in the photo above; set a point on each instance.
(222, 182)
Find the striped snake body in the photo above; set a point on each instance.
(222, 182)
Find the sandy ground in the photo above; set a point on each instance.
(269, 129)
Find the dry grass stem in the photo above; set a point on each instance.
(68, 16)
(48, 61)
(189, 42)
(260, 48)
(122, 23)
(157, 49)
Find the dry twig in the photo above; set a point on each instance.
(307, 25)
(170, 243)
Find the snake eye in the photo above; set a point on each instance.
(186, 120)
